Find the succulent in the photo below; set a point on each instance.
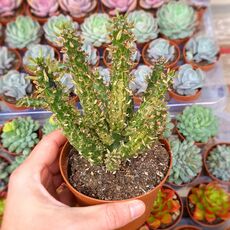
(91, 53)
(22, 32)
(139, 79)
(7, 59)
(95, 29)
(188, 80)
(53, 27)
(4, 174)
(67, 82)
(218, 162)
(105, 74)
(199, 3)
(78, 8)
(20, 135)
(201, 49)
(15, 85)
(119, 6)
(161, 48)
(197, 123)
(49, 126)
(176, 20)
(168, 128)
(145, 26)
(165, 209)
(187, 161)
(8, 7)
(149, 4)
(210, 203)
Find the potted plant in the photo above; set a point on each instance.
(49, 126)
(208, 204)
(167, 209)
(201, 52)
(197, 123)
(40, 11)
(177, 21)
(187, 162)
(4, 173)
(19, 135)
(161, 48)
(109, 132)
(187, 227)
(217, 162)
(187, 84)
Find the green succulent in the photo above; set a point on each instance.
(218, 162)
(187, 161)
(197, 123)
(168, 128)
(20, 135)
(4, 173)
(49, 126)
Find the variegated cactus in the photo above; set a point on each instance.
(8, 7)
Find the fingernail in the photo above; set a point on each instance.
(137, 208)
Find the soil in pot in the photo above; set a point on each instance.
(181, 98)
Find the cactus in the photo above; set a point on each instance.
(176, 20)
(7, 60)
(95, 29)
(53, 27)
(119, 6)
(20, 135)
(4, 174)
(22, 32)
(187, 161)
(218, 162)
(168, 128)
(149, 4)
(109, 131)
(210, 203)
(145, 26)
(188, 80)
(161, 48)
(15, 85)
(165, 209)
(43, 8)
(197, 123)
(202, 49)
(78, 8)
(9, 7)
(49, 126)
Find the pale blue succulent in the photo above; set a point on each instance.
(7, 59)
(91, 53)
(105, 74)
(188, 80)
(67, 81)
(202, 48)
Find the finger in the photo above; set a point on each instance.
(65, 196)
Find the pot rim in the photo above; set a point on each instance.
(182, 98)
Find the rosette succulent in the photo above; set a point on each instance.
(188, 80)
(187, 161)
(149, 4)
(218, 162)
(202, 49)
(15, 85)
(168, 128)
(7, 59)
(105, 74)
(176, 20)
(197, 123)
(22, 32)
(49, 126)
(67, 81)
(92, 57)
(78, 8)
(54, 25)
(43, 8)
(120, 6)
(4, 173)
(145, 25)
(8, 7)
(95, 29)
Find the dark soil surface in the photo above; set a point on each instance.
(135, 177)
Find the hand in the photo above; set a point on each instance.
(34, 203)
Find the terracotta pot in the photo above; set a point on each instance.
(170, 65)
(179, 41)
(3, 191)
(189, 227)
(84, 200)
(182, 98)
(14, 107)
(206, 154)
(137, 100)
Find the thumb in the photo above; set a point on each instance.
(111, 216)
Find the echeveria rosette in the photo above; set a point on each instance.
(120, 6)
(7, 59)
(8, 7)
(197, 123)
(176, 20)
(145, 25)
(95, 29)
(92, 57)
(43, 8)
(188, 80)
(202, 48)
(23, 32)
(53, 28)
(149, 4)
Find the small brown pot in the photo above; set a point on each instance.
(84, 200)
(182, 98)
(179, 41)
(170, 65)
(188, 227)
(206, 154)
(3, 191)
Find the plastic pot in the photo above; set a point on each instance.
(182, 98)
(84, 200)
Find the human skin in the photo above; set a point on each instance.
(35, 200)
